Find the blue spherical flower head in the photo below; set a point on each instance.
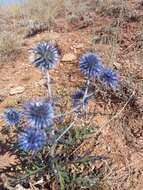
(32, 140)
(46, 56)
(39, 114)
(12, 117)
(110, 78)
(90, 65)
(77, 99)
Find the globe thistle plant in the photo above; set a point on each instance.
(39, 114)
(11, 117)
(110, 78)
(46, 56)
(77, 99)
(32, 140)
(40, 137)
(90, 65)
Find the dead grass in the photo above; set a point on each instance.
(113, 8)
(76, 9)
(10, 41)
(44, 11)
(10, 46)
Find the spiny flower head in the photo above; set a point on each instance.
(110, 78)
(77, 99)
(39, 114)
(46, 56)
(90, 65)
(12, 117)
(32, 140)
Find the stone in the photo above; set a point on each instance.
(69, 57)
(17, 90)
(117, 65)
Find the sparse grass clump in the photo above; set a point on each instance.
(38, 16)
(44, 11)
(76, 9)
(10, 46)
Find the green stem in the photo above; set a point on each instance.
(65, 131)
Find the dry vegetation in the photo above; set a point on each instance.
(31, 18)
(44, 11)
(114, 30)
(10, 46)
